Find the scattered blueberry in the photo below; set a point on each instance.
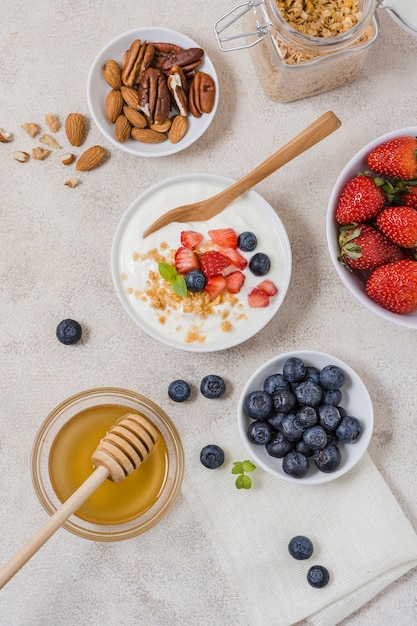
(247, 241)
(294, 370)
(349, 429)
(276, 382)
(284, 401)
(179, 390)
(332, 377)
(332, 396)
(308, 393)
(212, 456)
(279, 446)
(315, 437)
(260, 432)
(329, 416)
(212, 386)
(295, 464)
(300, 547)
(195, 281)
(318, 576)
(68, 332)
(291, 427)
(328, 459)
(259, 405)
(307, 416)
(260, 264)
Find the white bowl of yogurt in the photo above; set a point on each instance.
(138, 283)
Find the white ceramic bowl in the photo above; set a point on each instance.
(130, 272)
(97, 90)
(354, 281)
(355, 399)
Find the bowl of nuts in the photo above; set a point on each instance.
(152, 91)
(305, 417)
(372, 226)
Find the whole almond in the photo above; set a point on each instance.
(161, 127)
(122, 128)
(178, 128)
(147, 135)
(112, 74)
(90, 158)
(135, 117)
(130, 96)
(75, 128)
(114, 105)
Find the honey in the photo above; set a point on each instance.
(70, 464)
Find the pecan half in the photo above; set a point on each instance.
(183, 58)
(154, 95)
(177, 84)
(202, 94)
(136, 60)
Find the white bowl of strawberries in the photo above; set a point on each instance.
(372, 226)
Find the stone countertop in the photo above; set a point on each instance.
(55, 245)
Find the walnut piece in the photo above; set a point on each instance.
(21, 156)
(47, 139)
(31, 128)
(52, 122)
(39, 154)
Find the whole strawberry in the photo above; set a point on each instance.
(360, 200)
(395, 157)
(409, 197)
(363, 247)
(394, 286)
(399, 224)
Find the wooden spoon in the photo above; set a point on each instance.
(127, 444)
(205, 209)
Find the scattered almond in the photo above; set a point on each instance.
(5, 136)
(90, 158)
(31, 128)
(122, 128)
(39, 154)
(47, 139)
(130, 96)
(112, 74)
(71, 182)
(161, 127)
(147, 135)
(135, 117)
(52, 122)
(20, 156)
(67, 158)
(178, 128)
(75, 128)
(113, 105)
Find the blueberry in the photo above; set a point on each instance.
(195, 281)
(276, 420)
(342, 411)
(318, 576)
(259, 405)
(247, 241)
(179, 390)
(300, 547)
(315, 437)
(294, 370)
(349, 429)
(313, 373)
(284, 401)
(212, 386)
(278, 446)
(332, 377)
(68, 332)
(329, 416)
(302, 447)
(260, 432)
(332, 396)
(291, 427)
(308, 393)
(260, 264)
(276, 382)
(212, 456)
(307, 416)
(295, 464)
(328, 459)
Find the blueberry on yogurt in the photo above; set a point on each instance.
(260, 264)
(247, 241)
(195, 281)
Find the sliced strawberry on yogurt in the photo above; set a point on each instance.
(224, 237)
(234, 281)
(186, 260)
(269, 287)
(191, 238)
(213, 262)
(258, 298)
(236, 259)
(215, 285)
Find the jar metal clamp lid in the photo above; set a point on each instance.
(226, 22)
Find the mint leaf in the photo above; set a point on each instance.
(246, 482)
(248, 466)
(237, 468)
(239, 481)
(167, 271)
(179, 285)
(240, 467)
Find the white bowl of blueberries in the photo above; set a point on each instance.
(305, 417)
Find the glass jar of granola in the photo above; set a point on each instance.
(300, 48)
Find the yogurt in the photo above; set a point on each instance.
(135, 265)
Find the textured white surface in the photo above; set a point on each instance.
(55, 246)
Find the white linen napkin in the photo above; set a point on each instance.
(359, 533)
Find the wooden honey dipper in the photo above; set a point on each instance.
(127, 444)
